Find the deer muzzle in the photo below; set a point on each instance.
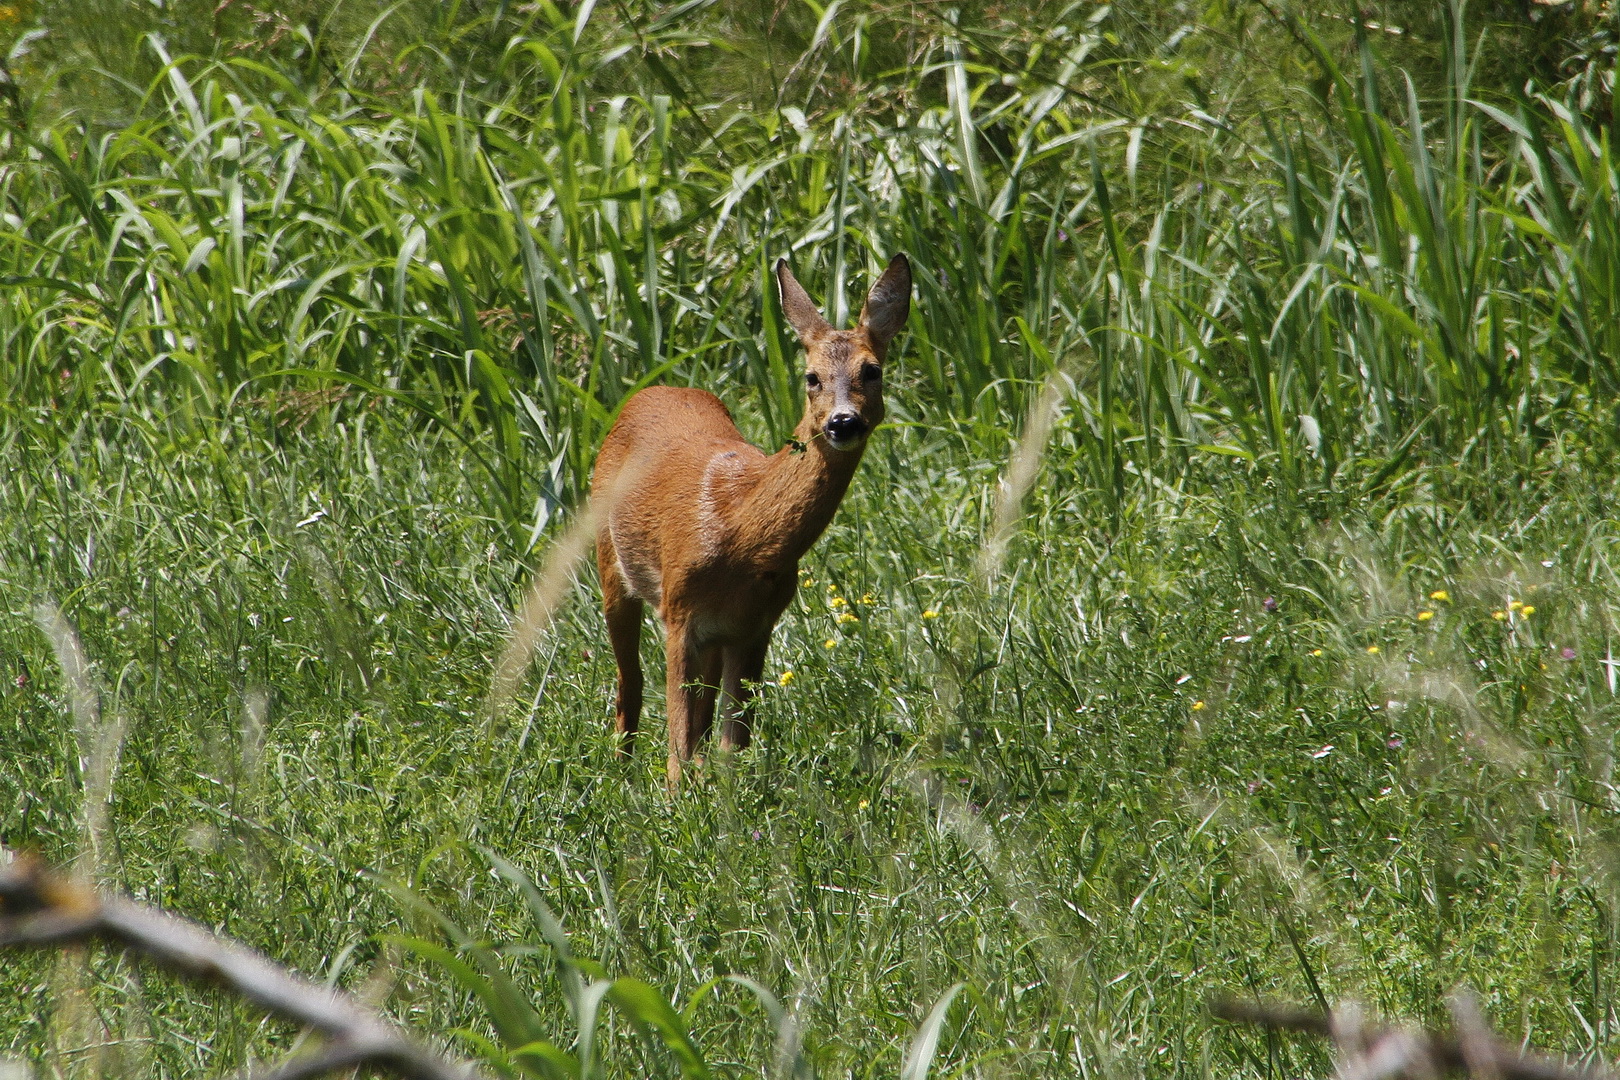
(845, 430)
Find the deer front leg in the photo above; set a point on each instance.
(708, 687)
(744, 666)
(690, 690)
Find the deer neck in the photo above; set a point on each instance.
(796, 495)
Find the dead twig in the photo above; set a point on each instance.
(1370, 1051)
(41, 909)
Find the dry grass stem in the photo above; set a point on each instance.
(100, 738)
(550, 586)
(1021, 471)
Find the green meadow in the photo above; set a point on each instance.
(1226, 608)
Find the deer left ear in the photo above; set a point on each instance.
(889, 302)
(798, 307)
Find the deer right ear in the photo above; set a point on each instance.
(798, 307)
(889, 302)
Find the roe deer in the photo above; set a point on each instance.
(709, 530)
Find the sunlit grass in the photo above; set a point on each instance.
(1267, 649)
(1019, 793)
(1336, 300)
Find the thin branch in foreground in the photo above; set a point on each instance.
(40, 909)
(1369, 1051)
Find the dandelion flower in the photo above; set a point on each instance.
(1198, 706)
(930, 614)
(1373, 650)
(1441, 595)
(847, 617)
(838, 601)
(1526, 611)
(1425, 616)
(866, 598)
(1498, 615)
(786, 679)
(1515, 605)
(1316, 652)
(830, 643)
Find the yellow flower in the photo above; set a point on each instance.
(1515, 605)
(930, 614)
(838, 601)
(1198, 706)
(1425, 616)
(1373, 650)
(1526, 611)
(847, 617)
(866, 598)
(786, 679)
(1316, 652)
(1498, 615)
(1440, 595)
(831, 643)
(863, 805)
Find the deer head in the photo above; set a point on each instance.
(843, 376)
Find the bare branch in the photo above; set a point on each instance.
(333, 1058)
(1372, 1052)
(1276, 1017)
(41, 909)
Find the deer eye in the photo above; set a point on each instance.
(812, 380)
(871, 372)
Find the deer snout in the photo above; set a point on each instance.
(845, 428)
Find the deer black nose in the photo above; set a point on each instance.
(844, 426)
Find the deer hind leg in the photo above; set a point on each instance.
(744, 667)
(691, 685)
(623, 613)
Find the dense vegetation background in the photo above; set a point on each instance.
(1294, 677)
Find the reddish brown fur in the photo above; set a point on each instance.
(709, 530)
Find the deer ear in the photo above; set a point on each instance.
(798, 307)
(889, 302)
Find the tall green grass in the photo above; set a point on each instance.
(1100, 788)
(1395, 280)
(302, 368)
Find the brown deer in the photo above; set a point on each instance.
(709, 530)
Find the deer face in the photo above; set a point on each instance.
(843, 379)
(843, 385)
